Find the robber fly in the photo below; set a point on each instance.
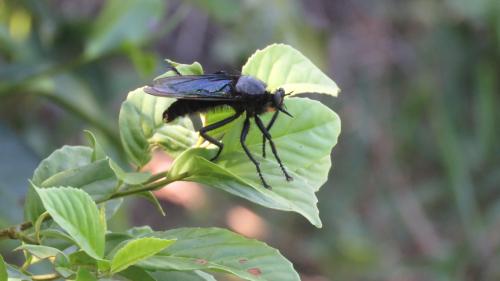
(202, 93)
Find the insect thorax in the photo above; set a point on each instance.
(248, 85)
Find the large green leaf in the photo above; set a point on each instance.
(142, 127)
(96, 178)
(136, 250)
(81, 167)
(282, 66)
(122, 23)
(71, 166)
(304, 144)
(75, 212)
(216, 249)
(62, 159)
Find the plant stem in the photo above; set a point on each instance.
(158, 176)
(150, 187)
(15, 233)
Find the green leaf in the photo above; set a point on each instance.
(304, 144)
(3, 270)
(75, 212)
(98, 150)
(64, 270)
(111, 207)
(140, 231)
(135, 273)
(122, 23)
(81, 258)
(71, 166)
(80, 167)
(185, 69)
(132, 178)
(43, 252)
(96, 178)
(149, 195)
(217, 249)
(104, 265)
(56, 234)
(16, 274)
(142, 127)
(195, 275)
(85, 275)
(281, 66)
(204, 276)
(65, 158)
(136, 250)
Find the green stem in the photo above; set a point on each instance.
(156, 177)
(15, 233)
(38, 225)
(149, 187)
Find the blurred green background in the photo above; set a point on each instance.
(415, 186)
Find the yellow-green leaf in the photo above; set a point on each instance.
(137, 250)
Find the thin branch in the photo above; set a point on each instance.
(149, 187)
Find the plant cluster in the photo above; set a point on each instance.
(77, 189)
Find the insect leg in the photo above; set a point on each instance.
(271, 123)
(244, 133)
(273, 147)
(203, 132)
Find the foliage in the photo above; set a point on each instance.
(75, 190)
(416, 194)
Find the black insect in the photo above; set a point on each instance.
(202, 93)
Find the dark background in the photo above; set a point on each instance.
(414, 189)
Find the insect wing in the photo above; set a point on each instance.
(196, 87)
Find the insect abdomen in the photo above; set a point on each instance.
(186, 107)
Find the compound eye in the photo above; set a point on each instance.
(278, 97)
